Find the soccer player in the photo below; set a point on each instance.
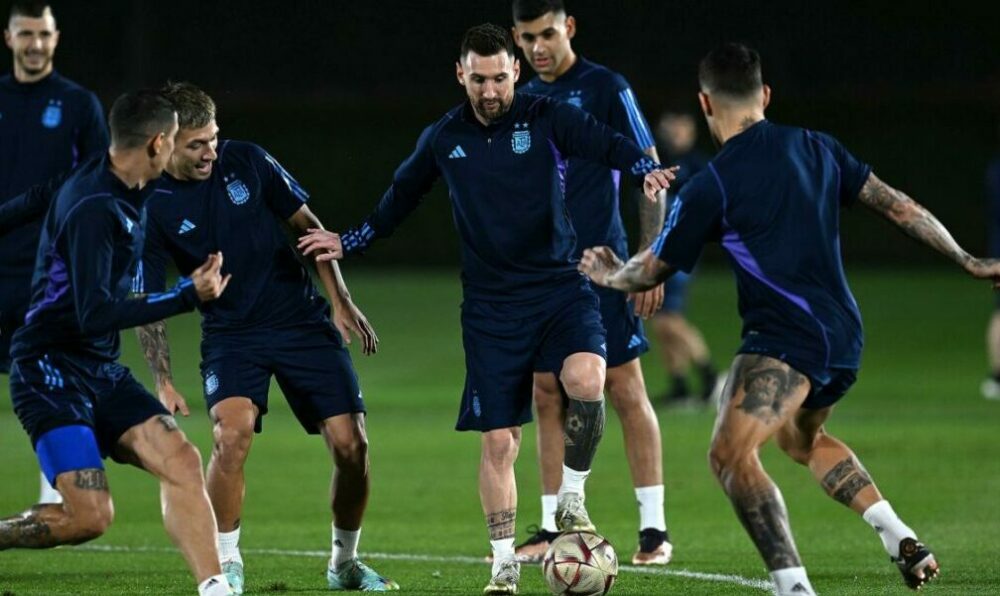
(772, 197)
(544, 33)
(503, 156)
(234, 197)
(48, 124)
(990, 387)
(75, 401)
(681, 343)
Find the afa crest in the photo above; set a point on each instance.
(575, 99)
(52, 116)
(238, 192)
(520, 141)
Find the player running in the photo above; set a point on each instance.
(772, 197)
(48, 125)
(503, 155)
(544, 32)
(232, 196)
(74, 400)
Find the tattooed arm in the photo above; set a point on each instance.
(153, 339)
(641, 272)
(921, 224)
(651, 216)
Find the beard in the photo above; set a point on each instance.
(494, 112)
(23, 61)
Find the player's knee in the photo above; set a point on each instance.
(93, 521)
(548, 402)
(184, 465)
(232, 441)
(351, 448)
(584, 379)
(625, 394)
(500, 447)
(728, 460)
(796, 446)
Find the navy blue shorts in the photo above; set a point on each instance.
(626, 339)
(505, 343)
(58, 390)
(310, 363)
(675, 292)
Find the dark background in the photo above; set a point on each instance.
(339, 91)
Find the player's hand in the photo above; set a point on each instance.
(323, 243)
(208, 279)
(599, 263)
(985, 269)
(349, 319)
(647, 303)
(657, 181)
(171, 399)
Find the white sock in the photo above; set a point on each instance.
(229, 546)
(651, 507)
(890, 528)
(549, 504)
(217, 585)
(573, 481)
(48, 493)
(345, 545)
(791, 582)
(503, 550)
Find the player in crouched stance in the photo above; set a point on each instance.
(772, 196)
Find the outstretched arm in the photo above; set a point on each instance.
(921, 224)
(346, 316)
(651, 215)
(156, 350)
(643, 271)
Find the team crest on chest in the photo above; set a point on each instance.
(52, 116)
(575, 98)
(237, 191)
(520, 141)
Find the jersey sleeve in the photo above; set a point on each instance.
(627, 118)
(578, 134)
(412, 180)
(88, 238)
(30, 205)
(282, 193)
(853, 172)
(695, 217)
(93, 137)
(151, 276)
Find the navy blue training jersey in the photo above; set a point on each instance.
(592, 188)
(46, 128)
(239, 210)
(773, 195)
(87, 256)
(507, 186)
(993, 205)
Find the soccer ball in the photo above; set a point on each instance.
(581, 564)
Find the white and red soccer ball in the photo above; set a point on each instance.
(580, 564)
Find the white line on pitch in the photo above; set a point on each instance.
(725, 578)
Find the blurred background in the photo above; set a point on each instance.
(338, 90)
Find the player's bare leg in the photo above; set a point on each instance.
(761, 396)
(682, 346)
(233, 421)
(498, 494)
(85, 513)
(160, 447)
(582, 378)
(627, 392)
(347, 441)
(844, 478)
(991, 386)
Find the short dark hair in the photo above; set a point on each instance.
(138, 115)
(529, 10)
(486, 40)
(33, 9)
(195, 108)
(732, 69)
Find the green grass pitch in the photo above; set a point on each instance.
(915, 418)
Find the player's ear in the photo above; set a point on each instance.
(570, 27)
(767, 96)
(517, 69)
(155, 145)
(459, 73)
(706, 103)
(7, 38)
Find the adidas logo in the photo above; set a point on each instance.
(800, 588)
(635, 342)
(186, 226)
(457, 153)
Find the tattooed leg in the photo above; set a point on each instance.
(85, 514)
(582, 432)
(764, 393)
(497, 486)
